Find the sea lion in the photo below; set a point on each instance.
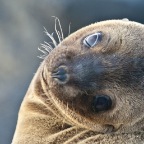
(88, 89)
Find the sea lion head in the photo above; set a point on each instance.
(95, 76)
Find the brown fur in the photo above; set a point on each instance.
(61, 113)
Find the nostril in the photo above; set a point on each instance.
(60, 74)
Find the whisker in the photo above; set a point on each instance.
(49, 44)
(52, 34)
(43, 51)
(47, 47)
(69, 29)
(41, 57)
(58, 34)
(59, 24)
(51, 37)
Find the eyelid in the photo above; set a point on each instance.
(93, 39)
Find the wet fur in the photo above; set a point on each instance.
(55, 113)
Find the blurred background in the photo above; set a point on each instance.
(21, 32)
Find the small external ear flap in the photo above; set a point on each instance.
(125, 19)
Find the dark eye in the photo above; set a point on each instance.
(101, 103)
(93, 39)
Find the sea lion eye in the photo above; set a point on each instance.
(101, 103)
(92, 40)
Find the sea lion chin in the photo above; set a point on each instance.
(91, 83)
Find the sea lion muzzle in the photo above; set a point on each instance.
(84, 72)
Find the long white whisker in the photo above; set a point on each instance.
(51, 37)
(62, 36)
(41, 57)
(48, 44)
(69, 29)
(59, 34)
(47, 47)
(43, 51)
(52, 34)
(57, 31)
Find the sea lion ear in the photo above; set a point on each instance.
(125, 19)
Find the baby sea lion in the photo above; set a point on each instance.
(88, 89)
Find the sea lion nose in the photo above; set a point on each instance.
(60, 74)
